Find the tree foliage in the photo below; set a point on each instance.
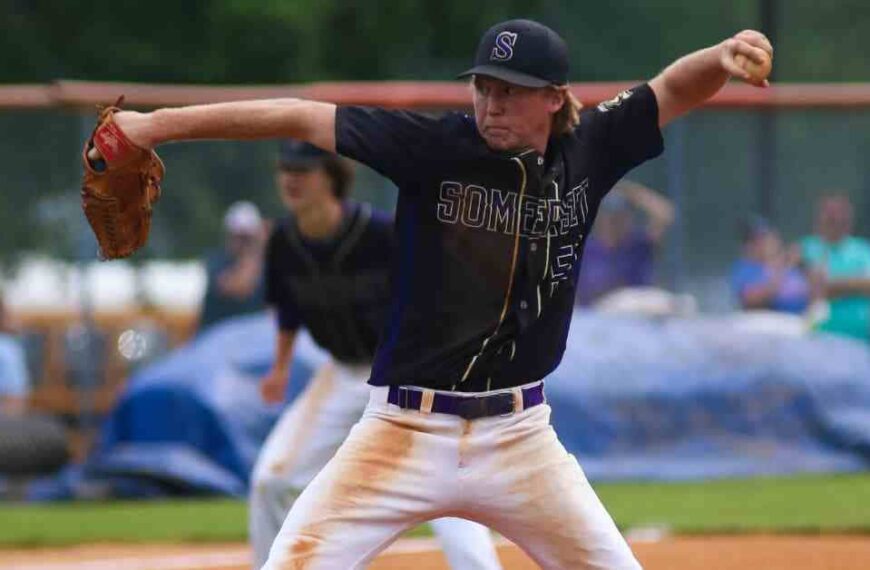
(268, 41)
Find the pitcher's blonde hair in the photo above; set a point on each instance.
(567, 118)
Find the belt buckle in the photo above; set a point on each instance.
(476, 407)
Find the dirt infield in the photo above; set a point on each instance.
(672, 553)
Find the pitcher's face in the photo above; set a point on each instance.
(511, 117)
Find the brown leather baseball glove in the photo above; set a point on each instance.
(119, 189)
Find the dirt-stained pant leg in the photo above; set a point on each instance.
(525, 485)
(301, 443)
(394, 471)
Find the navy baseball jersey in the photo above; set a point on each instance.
(489, 243)
(336, 288)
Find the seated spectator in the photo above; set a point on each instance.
(14, 381)
(842, 263)
(768, 275)
(620, 252)
(234, 273)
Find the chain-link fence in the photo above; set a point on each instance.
(720, 165)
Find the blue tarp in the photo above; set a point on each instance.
(633, 398)
(697, 398)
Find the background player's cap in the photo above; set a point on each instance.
(295, 154)
(523, 52)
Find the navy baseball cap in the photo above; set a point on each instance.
(522, 52)
(295, 154)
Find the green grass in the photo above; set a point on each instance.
(152, 521)
(799, 504)
(796, 504)
(211, 520)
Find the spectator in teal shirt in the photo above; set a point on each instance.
(842, 262)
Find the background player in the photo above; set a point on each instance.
(492, 214)
(327, 269)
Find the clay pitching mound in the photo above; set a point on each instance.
(674, 553)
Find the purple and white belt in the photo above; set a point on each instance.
(467, 406)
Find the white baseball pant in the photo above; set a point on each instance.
(400, 467)
(304, 440)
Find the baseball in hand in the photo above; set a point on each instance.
(758, 72)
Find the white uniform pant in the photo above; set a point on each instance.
(305, 438)
(400, 467)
